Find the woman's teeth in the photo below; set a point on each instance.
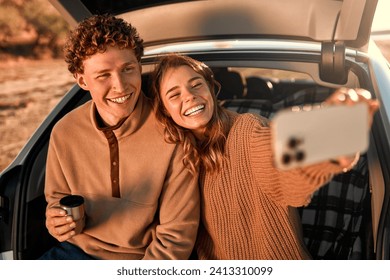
(194, 110)
(120, 100)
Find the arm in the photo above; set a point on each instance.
(58, 224)
(295, 187)
(178, 213)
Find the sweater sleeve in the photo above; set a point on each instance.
(56, 185)
(293, 187)
(178, 214)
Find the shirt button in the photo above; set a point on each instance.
(114, 163)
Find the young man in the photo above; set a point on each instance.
(140, 200)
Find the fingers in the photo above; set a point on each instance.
(60, 226)
(347, 96)
(350, 97)
(372, 103)
(364, 93)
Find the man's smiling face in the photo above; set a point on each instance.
(114, 80)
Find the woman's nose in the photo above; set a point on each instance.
(187, 95)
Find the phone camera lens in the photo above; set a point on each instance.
(300, 156)
(293, 142)
(286, 158)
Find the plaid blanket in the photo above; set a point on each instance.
(332, 222)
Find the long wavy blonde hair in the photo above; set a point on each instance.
(209, 153)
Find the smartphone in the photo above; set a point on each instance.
(301, 138)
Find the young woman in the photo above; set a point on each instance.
(247, 205)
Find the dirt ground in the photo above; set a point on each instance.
(29, 90)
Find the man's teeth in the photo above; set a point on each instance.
(193, 110)
(120, 100)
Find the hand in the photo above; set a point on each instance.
(60, 226)
(352, 97)
(347, 163)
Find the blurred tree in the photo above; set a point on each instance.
(11, 23)
(49, 26)
(31, 27)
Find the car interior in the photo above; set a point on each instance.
(337, 224)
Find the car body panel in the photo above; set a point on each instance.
(318, 20)
(380, 169)
(336, 24)
(22, 184)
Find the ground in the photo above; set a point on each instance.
(29, 90)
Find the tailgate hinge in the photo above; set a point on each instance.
(332, 66)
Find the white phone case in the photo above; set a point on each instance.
(307, 137)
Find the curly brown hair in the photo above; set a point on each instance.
(209, 153)
(95, 34)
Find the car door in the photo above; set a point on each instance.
(23, 234)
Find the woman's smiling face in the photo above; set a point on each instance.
(187, 99)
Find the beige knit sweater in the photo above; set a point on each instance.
(247, 209)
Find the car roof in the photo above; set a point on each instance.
(164, 22)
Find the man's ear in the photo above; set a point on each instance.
(81, 81)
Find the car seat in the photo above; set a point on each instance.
(257, 88)
(232, 86)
